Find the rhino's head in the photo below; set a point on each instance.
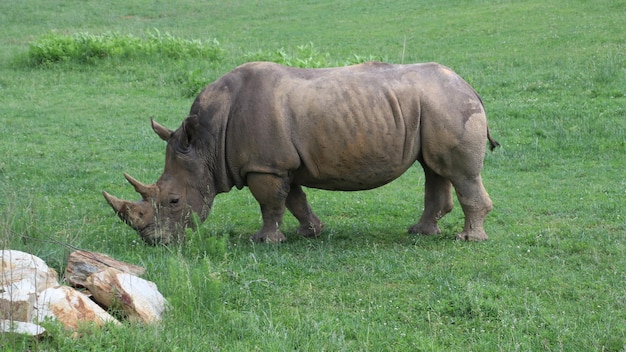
(166, 207)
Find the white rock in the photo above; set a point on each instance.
(20, 327)
(22, 276)
(140, 299)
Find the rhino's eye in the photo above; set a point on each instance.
(174, 201)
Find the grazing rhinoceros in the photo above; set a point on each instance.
(275, 129)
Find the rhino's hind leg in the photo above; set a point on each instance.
(437, 202)
(476, 205)
(271, 192)
(310, 224)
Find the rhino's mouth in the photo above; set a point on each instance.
(168, 233)
(155, 235)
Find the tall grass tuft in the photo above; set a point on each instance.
(306, 56)
(17, 221)
(200, 243)
(84, 47)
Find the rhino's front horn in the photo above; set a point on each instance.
(146, 191)
(117, 204)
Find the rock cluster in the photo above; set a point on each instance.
(30, 292)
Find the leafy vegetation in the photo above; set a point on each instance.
(78, 82)
(306, 56)
(87, 48)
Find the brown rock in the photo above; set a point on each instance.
(81, 264)
(70, 307)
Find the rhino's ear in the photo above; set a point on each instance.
(164, 133)
(190, 126)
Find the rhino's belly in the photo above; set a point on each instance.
(348, 163)
(348, 177)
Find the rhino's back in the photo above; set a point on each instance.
(348, 128)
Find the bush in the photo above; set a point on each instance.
(89, 48)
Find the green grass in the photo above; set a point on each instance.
(552, 75)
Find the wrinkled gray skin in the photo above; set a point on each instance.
(275, 129)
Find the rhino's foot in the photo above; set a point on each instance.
(472, 235)
(271, 237)
(311, 230)
(425, 229)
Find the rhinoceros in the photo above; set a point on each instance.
(277, 129)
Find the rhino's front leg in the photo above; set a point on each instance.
(310, 224)
(271, 192)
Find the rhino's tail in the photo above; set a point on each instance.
(493, 144)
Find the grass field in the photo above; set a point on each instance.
(552, 75)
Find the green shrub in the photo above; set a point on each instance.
(89, 48)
